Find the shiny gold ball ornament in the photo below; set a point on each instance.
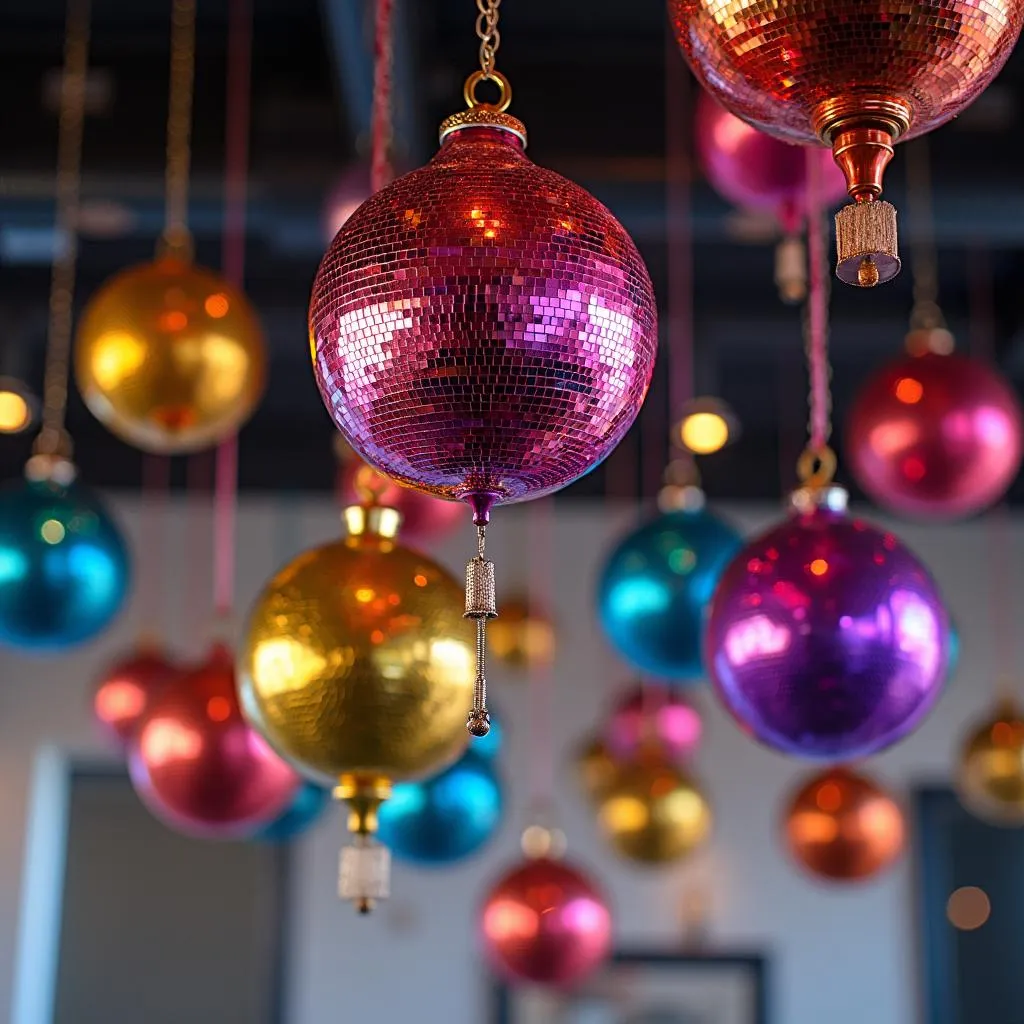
(594, 767)
(523, 636)
(170, 357)
(653, 812)
(990, 775)
(358, 667)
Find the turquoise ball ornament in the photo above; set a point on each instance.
(445, 818)
(65, 570)
(306, 809)
(655, 588)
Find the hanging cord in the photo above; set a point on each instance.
(817, 464)
(997, 522)
(176, 239)
(926, 314)
(156, 481)
(381, 135)
(236, 163)
(53, 439)
(199, 472)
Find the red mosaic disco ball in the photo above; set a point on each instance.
(756, 171)
(794, 67)
(483, 328)
(936, 436)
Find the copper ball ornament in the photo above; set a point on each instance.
(990, 772)
(843, 827)
(198, 765)
(653, 812)
(125, 690)
(483, 329)
(855, 75)
(936, 436)
(546, 923)
(170, 357)
(523, 636)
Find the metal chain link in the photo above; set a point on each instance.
(53, 438)
(487, 30)
(179, 124)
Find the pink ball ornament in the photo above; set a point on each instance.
(198, 765)
(126, 689)
(935, 436)
(546, 923)
(654, 713)
(827, 637)
(758, 172)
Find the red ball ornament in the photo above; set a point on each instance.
(546, 923)
(755, 171)
(655, 714)
(126, 689)
(197, 764)
(935, 436)
(855, 75)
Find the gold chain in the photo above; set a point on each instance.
(487, 30)
(53, 438)
(179, 125)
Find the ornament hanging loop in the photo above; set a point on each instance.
(816, 467)
(504, 91)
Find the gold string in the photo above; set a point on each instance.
(176, 238)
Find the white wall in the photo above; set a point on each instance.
(844, 957)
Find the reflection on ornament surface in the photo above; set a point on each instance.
(990, 773)
(64, 566)
(546, 923)
(936, 436)
(125, 690)
(827, 637)
(653, 812)
(445, 818)
(844, 827)
(170, 357)
(306, 809)
(482, 325)
(655, 587)
(198, 765)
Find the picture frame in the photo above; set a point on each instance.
(650, 987)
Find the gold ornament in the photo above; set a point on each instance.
(653, 812)
(358, 667)
(990, 775)
(170, 357)
(522, 636)
(595, 768)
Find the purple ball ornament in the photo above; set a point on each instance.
(483, 329)
(827, 638)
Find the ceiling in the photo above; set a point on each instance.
(590, 84)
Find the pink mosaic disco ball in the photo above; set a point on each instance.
(483, 329)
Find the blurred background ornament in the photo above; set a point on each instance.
(706, 425)
(424, 519)
(935, 436)
(523, 635)
(445, 818)
(827, 637)
(364, 685)
(66, 568)
(653, 812)
(857, 80)
(990, 773)
(755, 171)
(348, 193)
(199, 766)
(595, 767)
(653, 713)
(306, 808)
(125, 690)
(170, 357)
(655, 587)
(545, 923)
(843, 827)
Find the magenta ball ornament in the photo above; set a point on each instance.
(827, 638)
(483, 329)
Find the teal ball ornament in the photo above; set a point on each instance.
(655, 588)
(446, 818)
(305, 810)
(65, 570)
